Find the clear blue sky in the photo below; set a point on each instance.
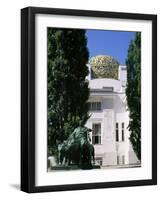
(113, 43)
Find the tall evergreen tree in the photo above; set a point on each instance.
(67, 89)
(133, 92)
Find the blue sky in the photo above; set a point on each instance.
(113, 43)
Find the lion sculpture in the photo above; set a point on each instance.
(77, 149)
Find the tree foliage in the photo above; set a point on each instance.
(133, 92)
(67, 89)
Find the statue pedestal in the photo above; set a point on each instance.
(74, 167)
(96, 166)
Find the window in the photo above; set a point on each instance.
(123, 125)
(123, 68)
(95, 106)
(96, 134)
(117, 135)
(117, 132)
(123, 137)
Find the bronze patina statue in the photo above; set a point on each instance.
(77, 149)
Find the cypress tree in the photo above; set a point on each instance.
(67, 89)
(133, 92)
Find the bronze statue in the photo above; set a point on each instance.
(77, 149)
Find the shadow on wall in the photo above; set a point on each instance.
(15, 186)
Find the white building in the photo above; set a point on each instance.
(109, 120)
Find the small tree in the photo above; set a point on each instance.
(67, 89)
(133, 92)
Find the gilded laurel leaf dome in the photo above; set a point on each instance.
(104, 66)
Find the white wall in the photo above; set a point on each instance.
(10, 99)
(122, 74)
(111, 108)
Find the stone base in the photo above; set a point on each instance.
(74, 167)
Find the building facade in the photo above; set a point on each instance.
(109, 120)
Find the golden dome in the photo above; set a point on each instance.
(104, 66)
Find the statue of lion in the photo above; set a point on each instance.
(77, 149)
